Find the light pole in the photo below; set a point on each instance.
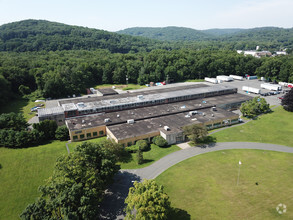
(238, 172)
(126, 80)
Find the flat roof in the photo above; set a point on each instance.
(174, 122)
(95, 120)
(146, 98)
(132, 94)
(43, 112)
(107, 91)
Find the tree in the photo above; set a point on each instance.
(77, 186)
(143, 145)
(139, 156)
(62, 133)
(287, 101)
(160, 141)
(116, 149)
(13, 121)
(147, 200)
(48, 127)
(254, 107)
(195, 132)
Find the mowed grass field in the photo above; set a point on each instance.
(275, 128)
(149, 156)
(22, 172)
(205, 185)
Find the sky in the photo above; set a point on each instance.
(114, 15)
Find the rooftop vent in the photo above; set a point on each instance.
(130, 121)
(118, 116)
(80, 104)
(212, 115)
(107, 120)
(214, 108)
(140, 96)
(83, 121)
(166, 128)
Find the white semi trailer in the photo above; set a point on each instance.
(251, 89)
(274, 87)
(211, 80)
(236, 77)
(224, 78)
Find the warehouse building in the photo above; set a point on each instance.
(136, 100)
(128, 126)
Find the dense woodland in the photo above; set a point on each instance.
(54, 70)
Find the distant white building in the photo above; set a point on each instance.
(278, 53)
(255, 53)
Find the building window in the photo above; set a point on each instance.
(95, 133)
(75, 137)
(88, 135)
(101, 132)
(81, 136)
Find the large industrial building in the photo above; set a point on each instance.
(126, 118)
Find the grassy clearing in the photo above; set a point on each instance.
(121, 86)
(22, 172)
(20, 105)
(149, 157)
(205, 186)
(275, 127)
(194, 80)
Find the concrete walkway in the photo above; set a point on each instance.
(113, 204)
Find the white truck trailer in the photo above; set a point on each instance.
(251, 89)
(224, 78)
(211, 80)
(236, 77)
(274, 87)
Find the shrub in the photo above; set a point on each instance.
(132, 149)
(62, 133)
(143, 145)
(160, 141)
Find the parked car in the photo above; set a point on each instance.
(281, 97)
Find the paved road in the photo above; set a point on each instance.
(112, 207)
(166, 162)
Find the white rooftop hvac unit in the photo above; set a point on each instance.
(140, 96)
(107, 120)
(166, 128)
(130, 121)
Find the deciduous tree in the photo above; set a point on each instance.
(147, 200)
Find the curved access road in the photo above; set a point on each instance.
(113, 205)
(166, 162)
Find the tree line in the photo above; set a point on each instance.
(62, 73)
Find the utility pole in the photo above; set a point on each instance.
(238, 172)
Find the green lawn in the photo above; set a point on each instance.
(149, 157)
(275, 127)
(194, 80)
(121, 86)
(20, 105)
(205, 186)
(22, 172)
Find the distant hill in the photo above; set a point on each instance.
(37, 35)
(222, 32)
(167, 33)
(270, 38)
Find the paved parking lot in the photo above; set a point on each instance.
(272, 100)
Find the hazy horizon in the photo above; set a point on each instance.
(115, 15)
